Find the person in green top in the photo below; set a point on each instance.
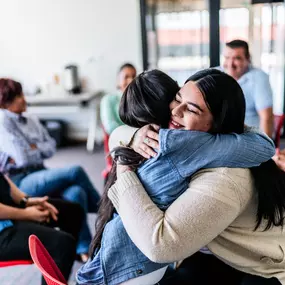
(109, 108)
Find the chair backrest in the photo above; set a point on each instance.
(15, 262)
(108, 158)
(106, 142)
(45, 263)
(278, 124)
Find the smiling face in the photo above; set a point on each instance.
(125, 77)
(235, 62)
(189, 110)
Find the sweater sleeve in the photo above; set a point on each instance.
(121, 136)
(202, 212)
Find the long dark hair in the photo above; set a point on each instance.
(225, 100)
(145, 101)
(269, 182)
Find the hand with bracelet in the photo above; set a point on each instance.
(42, 204)
(36, 209)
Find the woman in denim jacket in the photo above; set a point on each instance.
(114, 258)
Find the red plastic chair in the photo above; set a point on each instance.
(278, 124)
(45, 263)
(108, 167)
(15, 262)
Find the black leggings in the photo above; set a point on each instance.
(204, 269)
(61, 244)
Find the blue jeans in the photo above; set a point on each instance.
(69, 183)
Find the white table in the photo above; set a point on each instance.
(90, 101)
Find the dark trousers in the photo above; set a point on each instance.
(61, 244)
(206, 269)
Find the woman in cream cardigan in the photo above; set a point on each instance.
(220, 211)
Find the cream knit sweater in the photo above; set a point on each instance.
(218, 210)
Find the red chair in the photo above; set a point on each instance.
(45, 263)
(108, 167)
(278, 124)
(15, 262)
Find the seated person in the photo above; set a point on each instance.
(26, 144)
(21, 217)
(109, 108)
(254, 83)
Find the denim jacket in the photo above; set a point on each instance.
(165, 177)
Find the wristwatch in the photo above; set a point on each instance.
(24, 201)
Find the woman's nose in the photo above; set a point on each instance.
(178, 111)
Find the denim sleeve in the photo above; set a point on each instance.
(47, 145)
(262, 91)
(190, 151)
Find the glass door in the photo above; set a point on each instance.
(268, 39)
(178, 37)
(262, 26)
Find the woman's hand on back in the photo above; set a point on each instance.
(145, 140)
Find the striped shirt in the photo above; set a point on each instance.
(17, 134)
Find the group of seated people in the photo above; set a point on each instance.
(193, 196)
(35, 199)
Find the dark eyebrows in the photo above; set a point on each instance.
(196, 106)
(191, 103)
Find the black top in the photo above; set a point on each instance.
(5, 197)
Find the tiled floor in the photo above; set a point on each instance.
(93, 164)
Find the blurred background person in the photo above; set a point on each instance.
(27, 144)
(109, 108)
(254, 83)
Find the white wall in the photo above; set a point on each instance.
(39, 37)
